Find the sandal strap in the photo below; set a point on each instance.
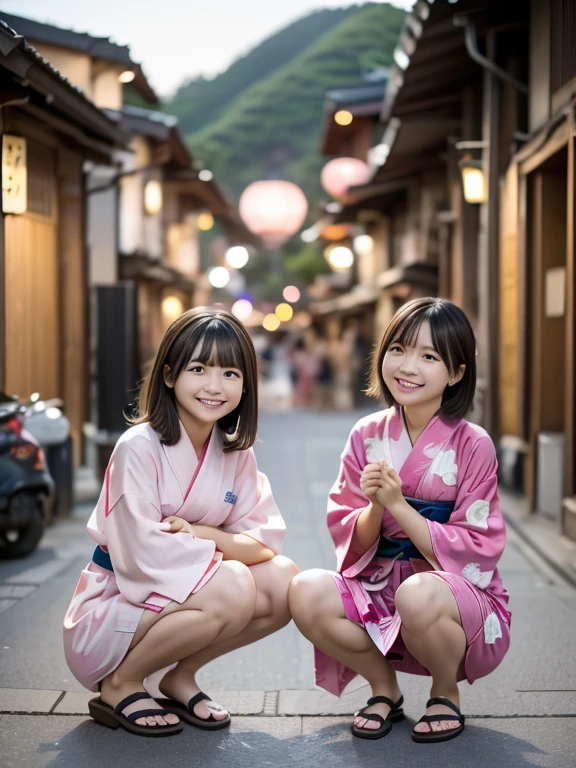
(443, 701)
(145, 713)
(439, 718)
(130, 700)
(370, 716)
(200, 696)
(385, 700)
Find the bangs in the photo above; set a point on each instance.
(212, 342)
(408, 328)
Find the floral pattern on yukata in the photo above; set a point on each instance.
(378, 449)
(475, 576)
(477, 514)
(444, 465)
(492, 629)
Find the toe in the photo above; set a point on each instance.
(172, 719)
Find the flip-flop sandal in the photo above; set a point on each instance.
(435, 736)
(112, 717)
(396, 713)
(186, 713)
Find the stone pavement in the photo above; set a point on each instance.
(522, 715)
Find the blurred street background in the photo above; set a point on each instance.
(309, 166)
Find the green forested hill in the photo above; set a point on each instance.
(199, 102)
(272, 127)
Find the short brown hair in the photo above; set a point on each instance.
(453, 339)
(213, 336)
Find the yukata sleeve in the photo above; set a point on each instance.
(254, 511)
(152, 566)
(472, 541)
(345, 504)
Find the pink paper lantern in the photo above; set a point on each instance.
(274, 210)
(344, 172)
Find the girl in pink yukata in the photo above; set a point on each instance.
(418, 530)
(188, 563)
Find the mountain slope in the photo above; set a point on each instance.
(273, 127)
(199, 102)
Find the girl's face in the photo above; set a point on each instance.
(207, 392)
(416, 374)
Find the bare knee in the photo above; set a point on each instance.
(311, 594)
(273, 580)
(417, 602)
(232, 595)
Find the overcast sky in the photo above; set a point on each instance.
(174, 39)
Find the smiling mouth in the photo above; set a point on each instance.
(211, 403)
(408, 384)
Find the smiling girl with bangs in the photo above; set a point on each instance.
(416, 522)
(187, 566)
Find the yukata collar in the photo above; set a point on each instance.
(183, 459)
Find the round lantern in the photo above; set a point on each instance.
(344, 172)
(274, 210)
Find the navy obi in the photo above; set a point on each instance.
(404, 549)
(102, 559)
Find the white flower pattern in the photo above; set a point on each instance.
(445, 466)
(475, 576)
(477, 514)
(378, 449)
(492, 629)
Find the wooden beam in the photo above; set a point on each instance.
(570, 354)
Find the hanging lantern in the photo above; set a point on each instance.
(344, 172)
(274, 210)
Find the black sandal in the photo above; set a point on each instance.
(187, 713)
(436, 736)
(112, 717)
(396, 713)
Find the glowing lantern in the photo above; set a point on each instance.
(274, 210)
(219, 277)
(335, 231)
(205, 221)
(344, 172)
(343, 117)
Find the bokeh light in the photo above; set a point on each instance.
(219, 277)
(363, 244)
(270, 323)
(291, 294)
(205, 221)
(242, 309)
(237, 256)
(205, 175)
(343, 117)
(339, 257)
(284, 312)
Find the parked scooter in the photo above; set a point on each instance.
(26, 486)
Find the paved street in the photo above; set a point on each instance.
(523, 715)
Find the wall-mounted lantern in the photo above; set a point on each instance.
(14, 174)
(472, 170)
(153, 197)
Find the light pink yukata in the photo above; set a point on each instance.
(145, 483)
(451, 461)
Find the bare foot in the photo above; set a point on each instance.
(377, 709)
(178, 686)
(113, 691)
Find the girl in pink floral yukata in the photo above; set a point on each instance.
(187, 565)
(418, 530)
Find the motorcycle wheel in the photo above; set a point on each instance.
(19, 542)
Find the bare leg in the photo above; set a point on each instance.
(432, 631)
(221, 608)
(272, 580)
(317, 609)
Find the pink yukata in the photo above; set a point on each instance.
(145, 483)
(451, 462)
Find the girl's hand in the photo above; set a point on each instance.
(390, 487)
(370, 480)
(174, 524)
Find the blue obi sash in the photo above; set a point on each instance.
(404, 549)
(102, 559)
